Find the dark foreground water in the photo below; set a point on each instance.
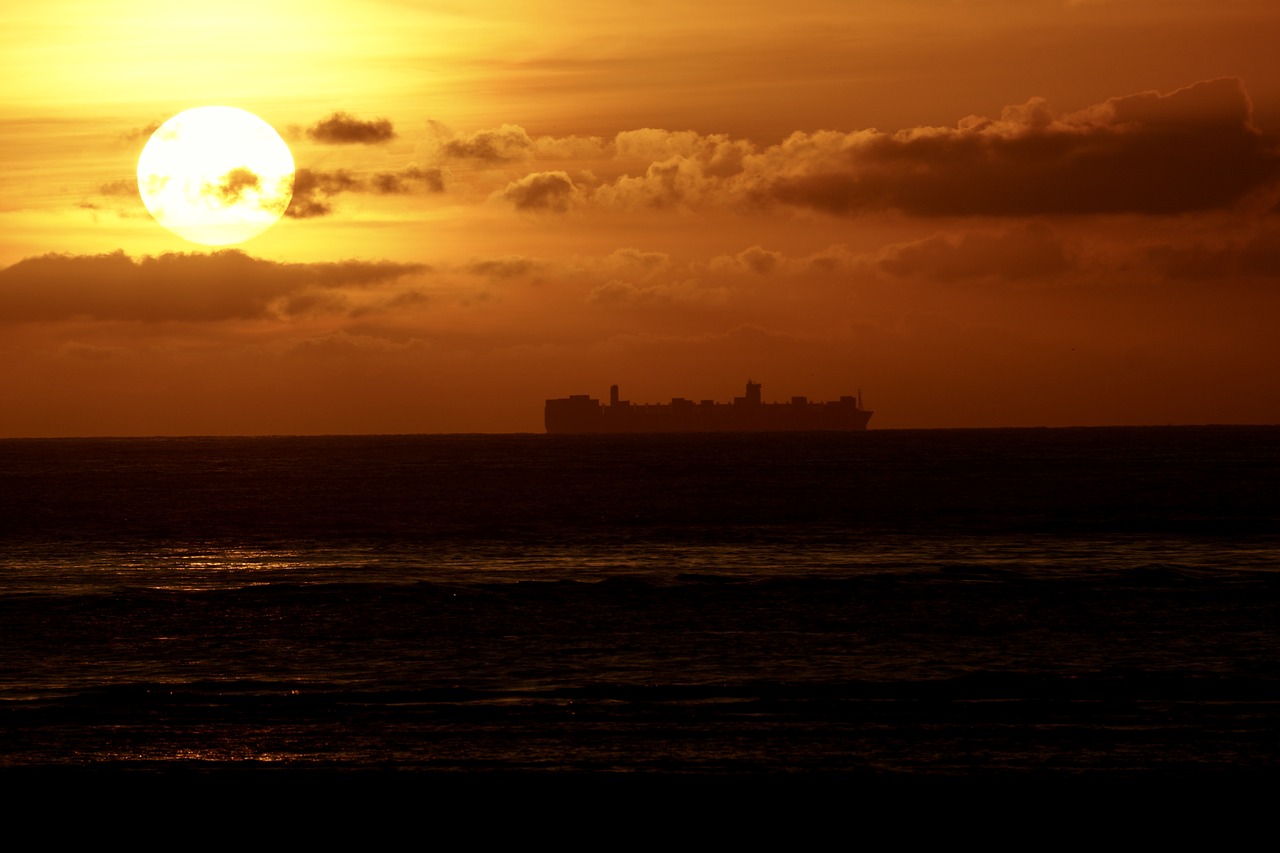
(1098, 603)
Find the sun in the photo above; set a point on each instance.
(216, 175)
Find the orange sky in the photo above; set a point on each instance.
(980, 212)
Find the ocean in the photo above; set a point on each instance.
(1098, 603)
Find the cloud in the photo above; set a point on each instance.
(1030, 252)
(505, 144)
(832, 259)
(409, 180)
(614, 292)
(571, 148)
(636, 262)
(122, 187)
(222, 285)
(510, 266)
(676, 183)
(231, 186)
(541, 192)
(345, 129)
(1193, 149)
(314, 190)
(717, 155)
(754, 259)
(511, 143)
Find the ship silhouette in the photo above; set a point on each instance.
(581, 413)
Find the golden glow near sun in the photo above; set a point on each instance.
(216, 175)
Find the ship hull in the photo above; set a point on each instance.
(578, 426)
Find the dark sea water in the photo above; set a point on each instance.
(1098, 603)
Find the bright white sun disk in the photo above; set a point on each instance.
(216, 175)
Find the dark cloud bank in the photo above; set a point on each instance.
(223, 285)
(1190, 150)
(1193, 149)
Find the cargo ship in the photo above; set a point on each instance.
(581, 413)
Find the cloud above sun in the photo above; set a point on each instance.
(344, 129)
(1192, 149)
(1189, 150)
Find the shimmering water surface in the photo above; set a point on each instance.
(1091, 601)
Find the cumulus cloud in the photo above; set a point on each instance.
(676, 183)
(505, 144)
(511, 143)
(684, 169)
(717, 155)
(571, 148)
(1193, 149)
(345, 129)
(221, 285)
(541, 192)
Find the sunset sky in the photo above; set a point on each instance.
(979, 212)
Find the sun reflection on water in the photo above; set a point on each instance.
(208, 566)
